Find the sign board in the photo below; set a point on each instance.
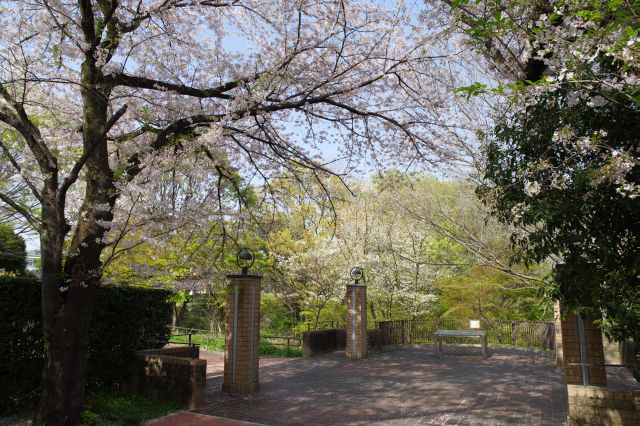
(474, 324)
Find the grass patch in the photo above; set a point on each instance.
(104, 409)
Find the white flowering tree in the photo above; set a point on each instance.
(102, 99)
(376, 234)
(563, 163)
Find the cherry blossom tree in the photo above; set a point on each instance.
(100, 100)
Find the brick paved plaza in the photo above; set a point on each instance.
(403, 386)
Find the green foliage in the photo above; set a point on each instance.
(560, 169)
(125, 319)
(21, 351)
(563, 163)
(206, 341)
(566, 189)
(487, 294)
(104, 409)
(13, 253)
(269, 346)
(334, 311)
(276, 316)
(267, 349)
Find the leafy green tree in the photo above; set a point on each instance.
(562, 164)
(571, 200)
(13, 254)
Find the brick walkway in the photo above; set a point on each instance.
(403, 386)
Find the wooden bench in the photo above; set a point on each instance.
(460, 333)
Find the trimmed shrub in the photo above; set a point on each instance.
(125, 319)
(21, 343)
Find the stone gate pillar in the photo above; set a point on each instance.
(580, 349)
(242, 337)
(356, 321)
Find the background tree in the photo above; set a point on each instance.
(13, 250)
(486, 293)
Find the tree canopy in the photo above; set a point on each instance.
(114, 110)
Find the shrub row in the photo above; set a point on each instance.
(125, 319)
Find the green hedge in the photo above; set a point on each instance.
(20, 341)
(125, 319)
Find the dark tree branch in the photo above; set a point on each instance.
(152, 84)
(19, 120)
(17, 167)
(77, 167)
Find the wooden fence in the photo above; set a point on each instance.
(528, 334)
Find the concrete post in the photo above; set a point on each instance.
(242, 338)
(356, 321)
(581, 351)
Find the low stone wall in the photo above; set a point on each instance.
(184, 351)
(318, 342)
(591, 405)
(174, 374)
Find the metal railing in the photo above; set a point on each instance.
(283, 341)
(195, 336)
(205, 338)
(322, 325)
(529, 334)
(188, 342)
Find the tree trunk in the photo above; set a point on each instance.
(69, 285)
(178, 312)
(373, 311)
(68, 298)
(63, 391)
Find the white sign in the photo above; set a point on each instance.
(474, 323)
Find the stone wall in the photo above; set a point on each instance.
(318, 342)
(173, 374)
(184, 351)
(595, 406)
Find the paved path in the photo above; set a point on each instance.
(403, 386)
(185, 418)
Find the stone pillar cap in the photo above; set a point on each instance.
(243, 276)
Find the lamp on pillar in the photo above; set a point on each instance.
(245, 259)
(356, 316)
(242, 335)
(357, 274)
